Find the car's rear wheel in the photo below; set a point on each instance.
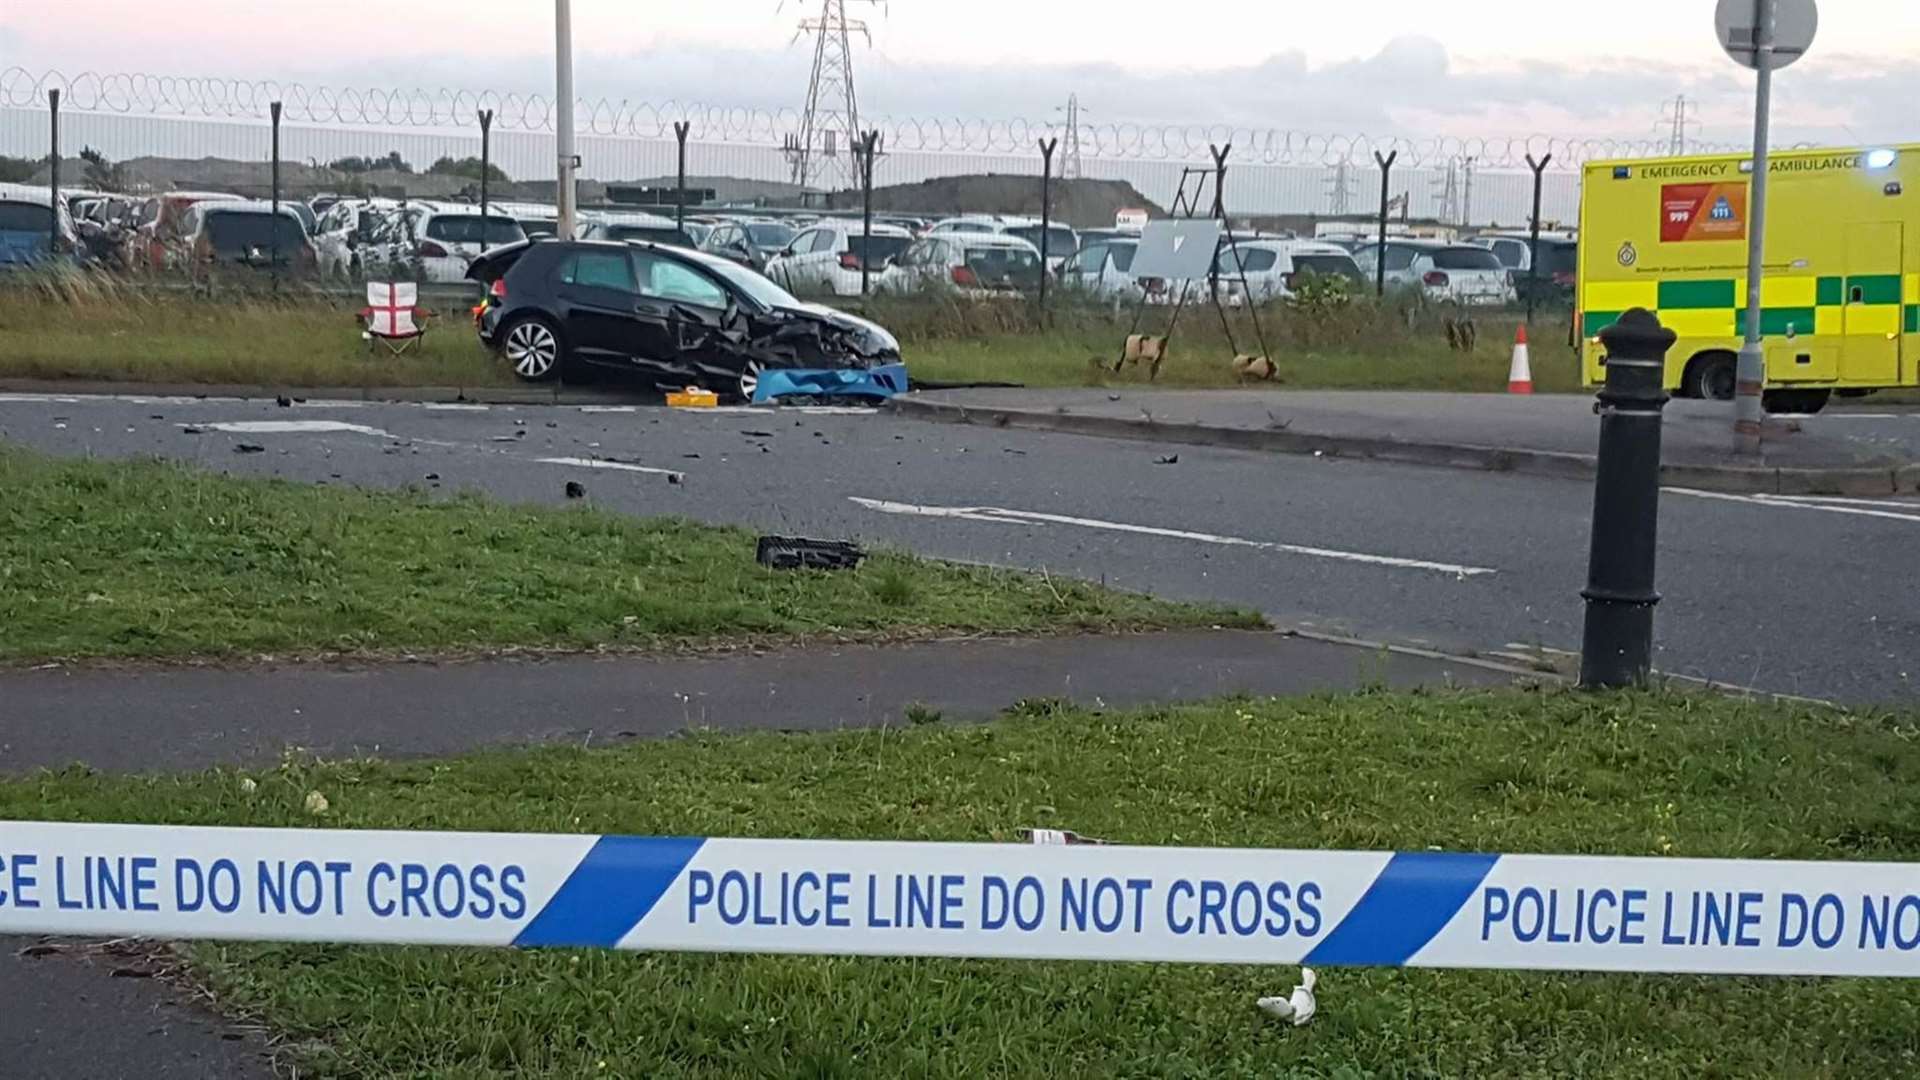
(534, 349)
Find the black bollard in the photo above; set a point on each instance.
(1616, 650)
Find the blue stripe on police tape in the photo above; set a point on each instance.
(611, 890)
(1412, 900)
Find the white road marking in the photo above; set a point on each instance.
(595, 463)
(1795, 503)
(11, 399)
(455, 406)
(609, 408)
(1028, 517)
(289, 427)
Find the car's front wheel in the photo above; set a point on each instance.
(748, 380)
(533, 348)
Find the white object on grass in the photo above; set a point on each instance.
(1299, 1007)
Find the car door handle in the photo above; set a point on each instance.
(649, 309)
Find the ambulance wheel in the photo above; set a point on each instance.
(1709, 377)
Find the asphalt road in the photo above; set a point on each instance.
(1810, 597)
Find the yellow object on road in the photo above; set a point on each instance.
(1840, 301)
(693, 398)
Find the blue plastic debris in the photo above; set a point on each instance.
(878, 382)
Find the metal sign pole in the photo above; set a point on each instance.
(486, 164)
(1750, 379)
(563, 114)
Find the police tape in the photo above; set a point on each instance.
(1194, 905)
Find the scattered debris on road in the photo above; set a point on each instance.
(576, 490)
(248, 448)
(283, 401)
(798, 553)
(1170, 459)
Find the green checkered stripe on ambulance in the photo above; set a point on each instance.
(1888, 304)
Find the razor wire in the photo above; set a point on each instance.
(205, 98)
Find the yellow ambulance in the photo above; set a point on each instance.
(1840, 301)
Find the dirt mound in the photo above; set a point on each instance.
(1081, 203)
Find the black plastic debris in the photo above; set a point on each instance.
(248, 448)
(576, 490)
(798, 553)
(189, 429)
(283, 401)
(1170, 459)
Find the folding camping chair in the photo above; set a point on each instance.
(393, 316)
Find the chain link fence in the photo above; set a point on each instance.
(1481, 181)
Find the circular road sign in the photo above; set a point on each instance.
(1793, 27)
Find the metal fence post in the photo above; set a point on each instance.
(680, 129)
(1616, 649)
(273, 222)
(1533, 241)
(53, 181)
(1046, 209)
(869, 143)
(486, 165)
(1380, 249)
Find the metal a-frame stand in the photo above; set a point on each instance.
(1186, 204)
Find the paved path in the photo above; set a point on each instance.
(146, 719)
(1840, 452)
(66, 1016)
(1800, 596)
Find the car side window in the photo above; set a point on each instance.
(1089, 260)
(1399, 258)
(665, 279)
(599, 270)
(823, 240)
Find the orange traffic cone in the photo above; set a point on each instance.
(1520, 375)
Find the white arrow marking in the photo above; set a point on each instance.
(288, 427)
(1028, 517)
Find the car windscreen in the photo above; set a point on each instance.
(1004, 265)
(769, 237)
(876, 248)
(25, 217)
(1466, 258)
(657, 234)
(238, 231)
(1327, 266)
(1558, 258)
(756, 287)
(1123, 256)
(466, 229)
(539, 226)
(1060, 242)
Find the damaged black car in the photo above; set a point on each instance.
(673, 316)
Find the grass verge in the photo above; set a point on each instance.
(149, 559)
(104, 329)
(97, 329)
(1512, 772)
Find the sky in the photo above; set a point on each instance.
(1408, 67)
